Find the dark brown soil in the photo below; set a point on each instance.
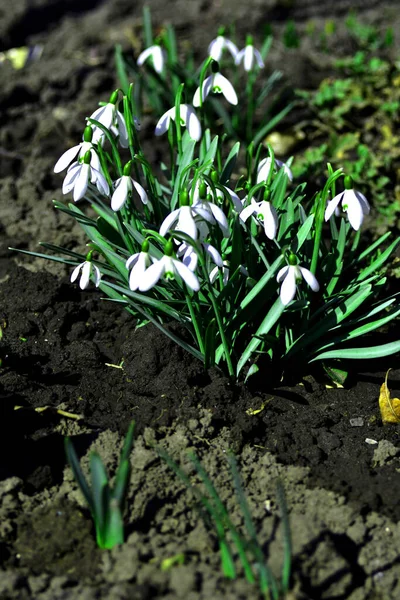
(63, 349)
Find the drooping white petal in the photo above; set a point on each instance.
(233, 49)
(122, 188)
(163, 122)
(187, 275)
(122, 130)
(237, 203)
(97, 275)
(192, 122)
(207, 87)
(81, 182)
(75, 273)
(105, 115)
(220, 218)
(142, 193)
(138, 270)
(70, 178)
(203, 211)
(263, 170)
(282, 274)
(288, 287)
(258, 58)
(310, 279)
(226, 88)
(101, 182)
(248, 211)
(158, 59)
(248, 58)
(354, 211)
(188, 255)
(152, 275)
(332, 205)
(85, 277)
(215, 48)
(284, 166)
(239, 56)
(270, 219)
(363, 201)
(186, 222)
(169, 221)
(66, 159)
(132, 260)
(143, 56)
(94, 160)
(213, 252)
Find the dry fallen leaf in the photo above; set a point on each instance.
(389, 407)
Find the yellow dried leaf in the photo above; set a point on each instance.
(389, 407)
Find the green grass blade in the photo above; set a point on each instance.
(268, 275)
(114, 528)
(379, 261)
(78, 474)
(100, 491)
(121, 70)
(361, 353)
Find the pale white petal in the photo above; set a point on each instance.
(187, 275)
(169, 221)
(247, 212)
(354, 212)
(97, 275)
(213, 274)
(141, 192)
(143, 56)
(282, 274)
(270, 219)
(192, 123)
(188, 255)
(288, 288)
(75, 273)
(152, 275)
(132, 260)
(206, 89)
(263, 170)
(138, 271)
(248, 58)
(163, 123)
(94, 160)
(284, 166)
(105, 115)
(215, 48)
(220, 218)
(158, 59)
(258, 58)
(237, 203)
(122, 130)
(363, 201)
(310, 278)
(101, 182)
(81, 182)
(203, 211)
(186, 222)
(332, 205)
(213, 252)
(85, 277)
(120, 195)
(66, 159)
(70, 178)
(239, 56)
(233, 49)
(226, 88)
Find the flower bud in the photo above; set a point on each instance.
(267, 192)
(202, 190)
(184, 198)
(292, 259)
(214, 176)
(145, 245)
(87, 134)
(127, 169)
(114, 97)
(348, 182)
(87, 157)
(168, 248)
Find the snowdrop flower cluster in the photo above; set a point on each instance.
(86, 270)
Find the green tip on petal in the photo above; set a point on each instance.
(292, 259)
(348, 182)
(168, 248)
(202, 190)
(114, 97)
(145, 245)
(87, 157)
(89, 256)
(249, 40)
(184, 198)
(221, 31)
(215, 66)
(87, 134)
(214, 176)
(127, 169)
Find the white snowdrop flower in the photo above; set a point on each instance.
(249, 56)
(78, 177)
(266, 213)
(190, 258)
(211, 213)
(290, 276)
(86, 269)
(158, 56)
(219, 44)
(111, 118)
(124, 188)
(218, 84)
(138, 263)
(264, 167)
(353, 202)
(225, 272)
(168, 267)
(79, 151)
(188, 118)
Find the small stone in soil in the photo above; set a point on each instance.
(357, 422)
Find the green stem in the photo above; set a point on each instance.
(196, 325)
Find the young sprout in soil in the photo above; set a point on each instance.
(105, 502)
(234, 545)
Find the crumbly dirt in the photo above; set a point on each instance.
(67, 350)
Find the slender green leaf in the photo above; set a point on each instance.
(361, 353)
(78, 474)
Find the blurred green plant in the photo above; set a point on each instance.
(234, 545)
(105, 502)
